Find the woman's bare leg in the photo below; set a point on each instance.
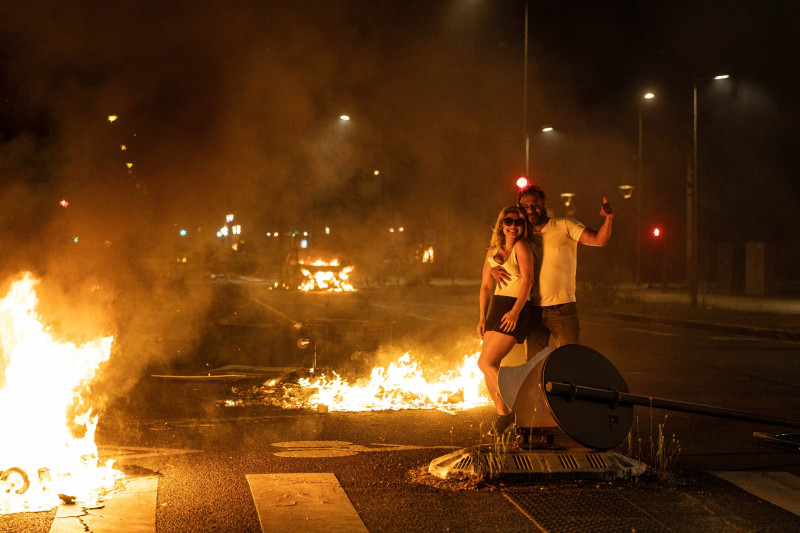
(495, 347)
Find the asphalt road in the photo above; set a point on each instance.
(206, 458)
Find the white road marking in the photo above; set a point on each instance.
(131, 509)
(739, 338)
(303, 502)
(779, 488)
(124, 453)
(337, 448)
(653, 332)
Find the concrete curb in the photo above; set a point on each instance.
(710, 326)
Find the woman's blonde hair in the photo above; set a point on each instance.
(498, 237)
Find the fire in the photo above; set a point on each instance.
(403, 384)
(320, 262)
(47, 445)
(317, 276)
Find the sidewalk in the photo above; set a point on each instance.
(776, 317)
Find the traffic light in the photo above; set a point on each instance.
(656, 232)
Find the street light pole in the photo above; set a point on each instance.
(639, 180)
(691, 222)
(525, 98)
(692, 202)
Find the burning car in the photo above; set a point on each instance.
(316, 271)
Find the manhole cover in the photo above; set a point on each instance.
(578, 511)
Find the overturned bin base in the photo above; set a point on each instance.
(482, 460)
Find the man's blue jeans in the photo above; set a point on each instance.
(558, 321)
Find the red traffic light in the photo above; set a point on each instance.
(656, 232)
(522, 182)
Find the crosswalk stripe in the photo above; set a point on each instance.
(779, 488)
(131, 509)
(303, 502)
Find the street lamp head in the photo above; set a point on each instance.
(722, 77)
(567, 197)
(344, 117)
(649, 96)
(626, 191)
(547, 128)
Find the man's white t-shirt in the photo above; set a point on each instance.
(555, 253)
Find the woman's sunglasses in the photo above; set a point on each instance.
(508, 221)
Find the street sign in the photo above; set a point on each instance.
(601, 426)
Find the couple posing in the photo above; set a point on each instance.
(533, 259)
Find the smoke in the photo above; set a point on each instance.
(236, 109)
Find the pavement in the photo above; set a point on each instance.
(775, 316)
(769, 316)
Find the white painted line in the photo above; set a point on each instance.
(303, 502)
(779, 488)
(653, 332)
(126, 453)
(336, 448)
(131, 509)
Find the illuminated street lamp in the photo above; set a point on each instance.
(547, 128)
(626, 191)
(567, 197)
(344, 117)
(639, 179)
(692, 260)
(525, 95)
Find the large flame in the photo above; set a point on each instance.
(403, 384)
(47, 439)
(320, 277)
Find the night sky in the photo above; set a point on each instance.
(233, 107)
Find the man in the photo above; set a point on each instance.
(555, 249)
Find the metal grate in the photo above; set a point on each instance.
(568, 461)
(465, 463)
(596, 460)
(493, 462)
(599, 465)
(579, 511)
(622, 461)
(523, 463)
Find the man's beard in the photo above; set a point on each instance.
(536, 219)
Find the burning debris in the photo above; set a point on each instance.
(321, 276)
(48, 445)
(403, 384)
(325, 276)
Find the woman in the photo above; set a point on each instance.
(508, 320)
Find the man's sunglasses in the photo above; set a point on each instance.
(508, 221)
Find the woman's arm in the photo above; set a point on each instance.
(485, 294)
(525, 260)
